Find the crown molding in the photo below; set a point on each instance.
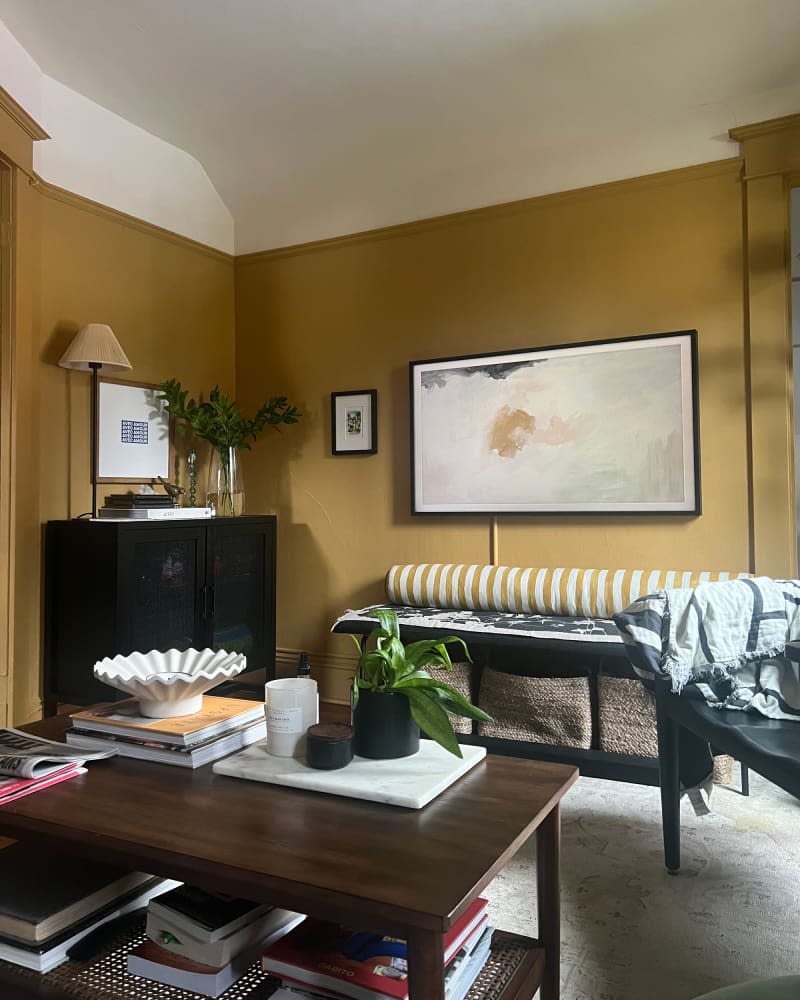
(16, 111)
(122, 218)
(732, 165)
(743, 132)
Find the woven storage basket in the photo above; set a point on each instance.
(457, 678)
(627, 717)
(553, 710)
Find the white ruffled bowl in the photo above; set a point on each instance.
(172, 683)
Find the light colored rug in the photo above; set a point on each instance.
(629, 930)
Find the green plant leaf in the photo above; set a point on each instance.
(432, 719)
(388, 621)
(455, 703)
(219, 420)
(393, 666)
(434, 651)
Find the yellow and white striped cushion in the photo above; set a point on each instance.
(597, 593)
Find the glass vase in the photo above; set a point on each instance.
(225, 485)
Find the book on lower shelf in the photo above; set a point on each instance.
(182, 937)
(460, 975)
(180, 755)
(43, 956)
(218, 715)
(324, 956)
(254, 928)
(207, 916)
(43, 892)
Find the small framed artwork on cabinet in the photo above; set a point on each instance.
(132, 435)
(354, 422)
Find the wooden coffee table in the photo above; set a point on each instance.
(410, 873)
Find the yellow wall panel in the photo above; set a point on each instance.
(655, 255)
(170, 305)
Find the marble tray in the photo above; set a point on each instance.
(409, 781)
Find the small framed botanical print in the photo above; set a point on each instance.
(354, 422)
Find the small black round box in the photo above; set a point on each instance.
(329, 745)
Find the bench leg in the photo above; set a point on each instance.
(745, 778)
(668, 768)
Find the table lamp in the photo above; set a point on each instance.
(95, 348)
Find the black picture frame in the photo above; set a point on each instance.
(598, 427)
(354, 422)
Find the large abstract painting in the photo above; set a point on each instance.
(602, 427)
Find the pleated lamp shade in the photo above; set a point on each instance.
(95, 344)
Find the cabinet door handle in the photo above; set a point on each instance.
(205, 601)
(211, 601)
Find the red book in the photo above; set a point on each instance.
(357, 964)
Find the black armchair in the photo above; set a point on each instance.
(731, 649)
(769, 746)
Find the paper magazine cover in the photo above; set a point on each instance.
(12, 789)
(26, 756)
(360, 964)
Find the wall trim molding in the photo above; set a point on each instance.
(122, 218)
(743, 132)
(732, 165)
(8, 416)
(331, 671)
(16, 111)
(286, 657)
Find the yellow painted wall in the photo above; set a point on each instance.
(651, 255)
(170, 305)
(657, 254)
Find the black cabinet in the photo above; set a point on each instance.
(118, 586)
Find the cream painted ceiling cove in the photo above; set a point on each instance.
(315, 118)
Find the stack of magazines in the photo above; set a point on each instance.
(222, 726)
(30, 763)
(322, 959)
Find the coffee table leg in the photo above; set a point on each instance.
(425, 965)
(548, 901)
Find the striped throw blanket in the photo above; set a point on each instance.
(728, 638)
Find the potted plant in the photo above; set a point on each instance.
(394, 696)
(220, 421)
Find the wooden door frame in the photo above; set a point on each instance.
(20, 623)
(771, 157)
(7, 417)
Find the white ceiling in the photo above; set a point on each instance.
(318, 117)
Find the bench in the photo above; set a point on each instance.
(549, 664)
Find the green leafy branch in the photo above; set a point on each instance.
(219, 420)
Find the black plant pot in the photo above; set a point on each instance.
(383, 727)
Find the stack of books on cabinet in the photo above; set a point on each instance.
(51, 902)
(146, 506)
(322, 959)
(221, 727)
(204, 943)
